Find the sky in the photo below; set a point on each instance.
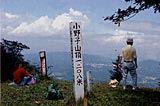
(44, 25)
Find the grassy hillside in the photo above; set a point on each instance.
(101, 95)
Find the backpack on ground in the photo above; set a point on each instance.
(53, 92)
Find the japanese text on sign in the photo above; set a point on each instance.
(76, 48)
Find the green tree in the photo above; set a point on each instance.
(136, 7)
(10, 55)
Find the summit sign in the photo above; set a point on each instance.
(77, 59)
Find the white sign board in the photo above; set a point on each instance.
(77, 61)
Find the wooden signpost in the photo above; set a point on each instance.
(42, 55)
(89, 82)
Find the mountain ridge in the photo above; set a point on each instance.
(148, 74)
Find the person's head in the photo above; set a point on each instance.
(18, 65)
(129, 41)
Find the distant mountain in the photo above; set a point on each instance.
(148, 70)
(149, 73)
(62, 64)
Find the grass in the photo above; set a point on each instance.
(33, 94)
(101, 95)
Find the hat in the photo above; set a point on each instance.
(130, 40)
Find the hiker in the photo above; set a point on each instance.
(129, 56)
(21, 76)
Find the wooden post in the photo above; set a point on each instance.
(42, 55)
(89, 82)
(85, 102)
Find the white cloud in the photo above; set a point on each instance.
(45, 26)
(9, 15)
(58, 24)
(147, 45)
(105, 42)
(121, 35)
(75, 13)
(10, 22)
(40, 26)
(142, 26)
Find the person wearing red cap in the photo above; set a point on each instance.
(129, 57)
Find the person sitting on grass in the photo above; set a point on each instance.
(21, 76)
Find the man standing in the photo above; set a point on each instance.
(129, 57)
